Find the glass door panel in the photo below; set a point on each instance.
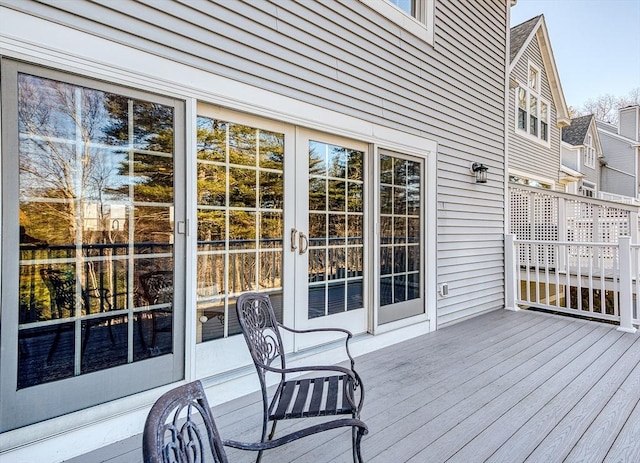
(94, 183)
(240, 221)
(401, 237)
(330, 234)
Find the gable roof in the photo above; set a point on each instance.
(520, 34)
(520, 37)
(575, 133)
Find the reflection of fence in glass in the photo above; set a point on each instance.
(104, 274)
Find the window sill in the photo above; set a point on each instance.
(532, 138)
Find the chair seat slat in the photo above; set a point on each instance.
(301, 398)
(332, 395)
(316, 397)
(285, 398)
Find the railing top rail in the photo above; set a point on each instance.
(573, 197)
(569, 243)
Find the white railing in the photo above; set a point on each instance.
(595, 280)
(618, 198)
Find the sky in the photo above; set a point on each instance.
(596, 44)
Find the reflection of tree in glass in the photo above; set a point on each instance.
(63, 154)
(74, 149)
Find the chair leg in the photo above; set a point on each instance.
(273, 429)
(54, 345)
(265, 423)
(357, 437)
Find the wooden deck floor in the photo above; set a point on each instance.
(504, 387)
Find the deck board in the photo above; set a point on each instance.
(502, 387)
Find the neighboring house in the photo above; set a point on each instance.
(621, 149)
(160, 158)
(537, 109)
(581, 156)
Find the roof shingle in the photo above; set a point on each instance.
(575, 133)
(519, 35)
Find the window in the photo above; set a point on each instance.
(408, 6)
(588, 189)
(522, 109)
(532, 112)
(517, 179)
(544, 121)
(589, 152)
(93, 190)
(416, 16)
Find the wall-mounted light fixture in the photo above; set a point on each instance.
(480, 170)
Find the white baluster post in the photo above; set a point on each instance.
(626, 296)
(510, 272)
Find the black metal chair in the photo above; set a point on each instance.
(332, 393)
(157, 288)
(62, 288)
(180, 429)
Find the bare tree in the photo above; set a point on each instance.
(605, 107)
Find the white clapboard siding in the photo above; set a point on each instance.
(344, 56)
(523, 152)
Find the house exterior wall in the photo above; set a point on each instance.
(618, 175)
(592, 174)
(629, 122)
(333, 58)
(525, 153)
(366, 71)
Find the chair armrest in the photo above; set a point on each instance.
(257, 446)
(348, 334)
(336, 368)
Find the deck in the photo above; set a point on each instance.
(503, 387)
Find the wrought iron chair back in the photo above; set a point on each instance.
(260, 329)
(180, 429)
(157, 286)
(62, 288)
(336, 390)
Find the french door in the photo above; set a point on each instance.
(280, 211)
(93, 206)
(328, 237)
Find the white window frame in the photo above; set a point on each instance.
(529, 94)
(531, 180)
(589, 152)
(420, 25)
(588, 189)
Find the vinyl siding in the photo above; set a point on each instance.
(343, 56)
(525, 154)
(619, 155)
(630, 123)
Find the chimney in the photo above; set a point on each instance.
(629, 125)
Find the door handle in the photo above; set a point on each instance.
(293, 240)
(303, 243)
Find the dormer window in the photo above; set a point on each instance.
(532, 111)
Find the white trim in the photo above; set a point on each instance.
(421, 27)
